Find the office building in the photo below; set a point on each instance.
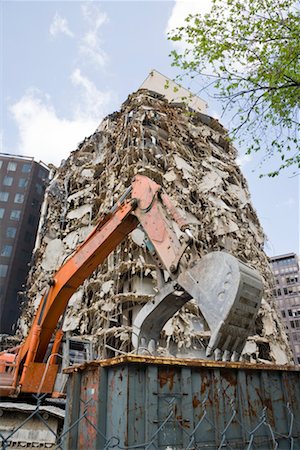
(287, 296)
(22, 186)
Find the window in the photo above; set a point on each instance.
(2, 211)
(279, 292)
(39, 188)
(23, 182)
(15, 214)
(292, 279)
(1, 164)
(6, 250)
(4, 196)
(8, 181)
(19, 198)
(12, 166)
(283, 313)
(3, 270)
(11, 232)
(42, 173)
(26, 168)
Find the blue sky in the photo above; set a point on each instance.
(65, 65)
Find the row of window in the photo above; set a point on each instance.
(295, 323)
(19, 198)
(292, 279)
(286, 270)
(26, 168)
(8, 181)
(12, 166)
(12, 231)
(286, 291)
(283, 262)
(291, 313)
(15, 214)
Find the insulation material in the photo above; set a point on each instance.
(189, 155)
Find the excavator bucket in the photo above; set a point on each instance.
(228, 293)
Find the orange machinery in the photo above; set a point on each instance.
(24, 369)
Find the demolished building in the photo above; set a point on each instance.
(188, 153)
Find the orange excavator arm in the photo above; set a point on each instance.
(227, 291)
(144, 203)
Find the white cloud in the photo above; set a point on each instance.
(180, 11)
(91, 43)
(60, 25)
(45, 135)
(243, 160)
(93, 101)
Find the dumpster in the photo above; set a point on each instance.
(143, 402)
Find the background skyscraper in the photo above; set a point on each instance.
(22, 187)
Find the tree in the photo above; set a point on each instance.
(249, 52)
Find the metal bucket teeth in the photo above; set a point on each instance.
(228, 294)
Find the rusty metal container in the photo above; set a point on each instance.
(138, 402)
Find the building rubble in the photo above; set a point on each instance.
(189, 155)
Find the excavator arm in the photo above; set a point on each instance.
(143, 203)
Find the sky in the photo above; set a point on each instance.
(65, 65)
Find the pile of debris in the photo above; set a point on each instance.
(189, 155)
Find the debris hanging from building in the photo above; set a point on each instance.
(189, 155)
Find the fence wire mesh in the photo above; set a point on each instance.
(43, 428)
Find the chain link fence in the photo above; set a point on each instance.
(44, 427)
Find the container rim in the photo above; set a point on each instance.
(172, 361)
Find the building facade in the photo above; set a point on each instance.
(287, 296)
(22, 187)
(174, 93)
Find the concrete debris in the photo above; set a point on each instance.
(190, 156)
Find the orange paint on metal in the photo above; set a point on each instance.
(144, 207)
(35, 375)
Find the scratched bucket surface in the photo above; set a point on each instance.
(162, 403)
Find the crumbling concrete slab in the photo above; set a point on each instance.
(190, 156)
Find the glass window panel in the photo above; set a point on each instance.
(6, 250)
(12, 166)
(22, 182)
(11, 232)
(39, 188)
(2, 211)
(4, 196)
(8, 181)
(42, 173)
(19, 198)
(3, 270)
(26, 168)
(15, 214)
